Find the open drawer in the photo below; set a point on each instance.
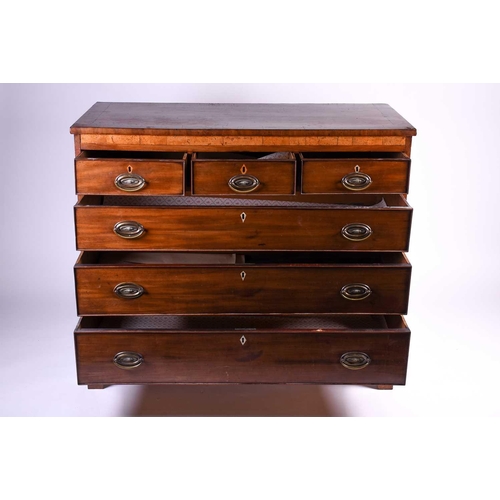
(149, 283)
(252, 349)
(130, 173)
(243, 173)
(191, 223)
(355, 172)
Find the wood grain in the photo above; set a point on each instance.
(324, 175)
(407, 150)
(242, 119)
(78, 144)
(97, 176)
(211, 177)
(266, 288)
(191, 143)
(281, 284)
(221, 358)
(222, 229)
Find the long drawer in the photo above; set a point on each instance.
(140, 283)
(331, 350)
(341, 222)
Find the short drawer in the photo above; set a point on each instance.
(243, 174)
(130, 173)
(324, 173)
(327, 350)
(138, 283)
(190, 223)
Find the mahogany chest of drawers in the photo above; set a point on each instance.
(242, 243)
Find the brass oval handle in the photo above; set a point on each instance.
(356, 181)
(244, 183)
(355, 360)
(355, 291)
(126, 360)
(128, 290)
(356, 231)
(129, 182)
(129, 229)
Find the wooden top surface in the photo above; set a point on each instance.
(239, 119)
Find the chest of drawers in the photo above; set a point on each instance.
(242, 243)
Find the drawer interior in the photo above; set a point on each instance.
(317, 324)
(372, 202)
(249, 258)
(306, 201)
(159, 258)
(260, 156)
(131, 155)
(325, 258)
(353, 155)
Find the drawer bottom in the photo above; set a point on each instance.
(265, 350)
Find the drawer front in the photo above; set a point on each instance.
(227, 177)
(242, 357)
(242, 289)
(355, 175)
(241, 229)
(129, 177)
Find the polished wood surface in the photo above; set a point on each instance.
(242, 119)
(222, 228)
(193, 143)
(235, 127)
(77, 144)
(221, 358)
(96, 174)
(275, 314)
(252, 288)
(324, 173)
(210, 176)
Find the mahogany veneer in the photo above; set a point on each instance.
(242, 243)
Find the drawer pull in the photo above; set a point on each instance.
(129, 229)
(128, 290)
(355, 360)
(244, 183)
(356, 181)
(129, 182)
(355, 291)
(126, 360)
(356, 232)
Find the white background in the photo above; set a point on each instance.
(453, 305)
(454, 244)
